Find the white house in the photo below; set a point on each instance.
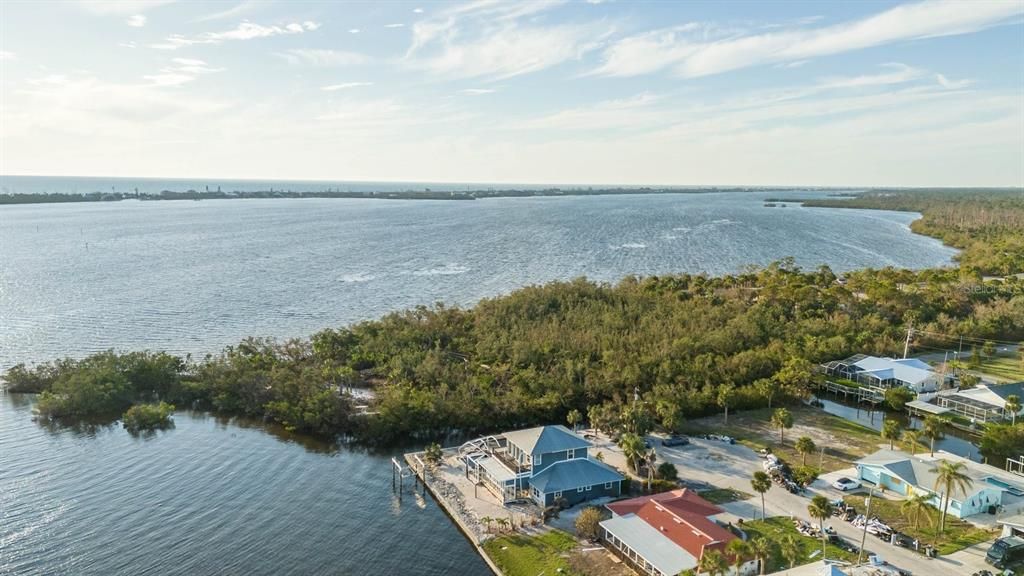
(884, 373)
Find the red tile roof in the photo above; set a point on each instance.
(682, 516)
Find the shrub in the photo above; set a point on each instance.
(143, 417)
(667, 471)
(588, 524)
(805, 475)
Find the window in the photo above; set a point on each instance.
(558, 494)
(538, 459)
(580, 489)
(607, 485)
(570, 454)
(589, 488)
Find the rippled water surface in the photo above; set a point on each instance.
(208, 497)
(188, 276)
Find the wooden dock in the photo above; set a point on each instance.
(857, 393)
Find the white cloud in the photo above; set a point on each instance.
(129, 44)
(235, 10)
(395, 25)
(194, 66)
(344, 86)
(952, 84)
(136, 20)
(244, 31)
(323, 58)
(184, 71)
(169, 77)
(793, 64)
(901, 73)
(417, 10)
(5, 55)
(478, 91)
(121, 6)
(497, 40)
(353, 30)
(691, 56)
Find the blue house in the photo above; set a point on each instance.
(546, 464)
(906, 475)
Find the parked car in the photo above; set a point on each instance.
(675, 440)
(845, 484)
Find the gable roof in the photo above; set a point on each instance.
(571, 474)
(649, 543)
(545, 439)
(680, 501)
(691, 532)
(681, 516)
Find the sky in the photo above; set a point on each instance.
(587, 92)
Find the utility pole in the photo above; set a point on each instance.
(906, 345)
(864, 534)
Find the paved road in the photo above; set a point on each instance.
(731, 466)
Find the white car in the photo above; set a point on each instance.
(845, 484)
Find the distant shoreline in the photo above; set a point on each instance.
(426, 194)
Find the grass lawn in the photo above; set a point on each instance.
(724, 495)
(520, 555)
(1005, 368)
(772, 529)
(958, 534)
(844, 441)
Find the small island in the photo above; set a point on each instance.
(149, 417)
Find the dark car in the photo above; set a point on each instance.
(675, 441)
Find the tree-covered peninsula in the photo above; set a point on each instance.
(687, 343)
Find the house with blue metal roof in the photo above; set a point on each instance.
(546, 464)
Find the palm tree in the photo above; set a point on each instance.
(805, 446)
(1013, 406)
(712, 562)
(950, 477)
(820, 509)
(761, 483)
(913, 438)
(916, 507)
(739, 550)
(633, 449)
(486, 521)
(790, 549)
(891, 430)
(761, 548)
(933, 429)
(574, 418)
(782, 419)
(502, 523)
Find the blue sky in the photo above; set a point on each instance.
(688, 93)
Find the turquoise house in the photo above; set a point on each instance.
(899, 472)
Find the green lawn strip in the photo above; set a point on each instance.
(724, 495)
(1004, 367)
(774, 528)
(957, 536)
(521, 555)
